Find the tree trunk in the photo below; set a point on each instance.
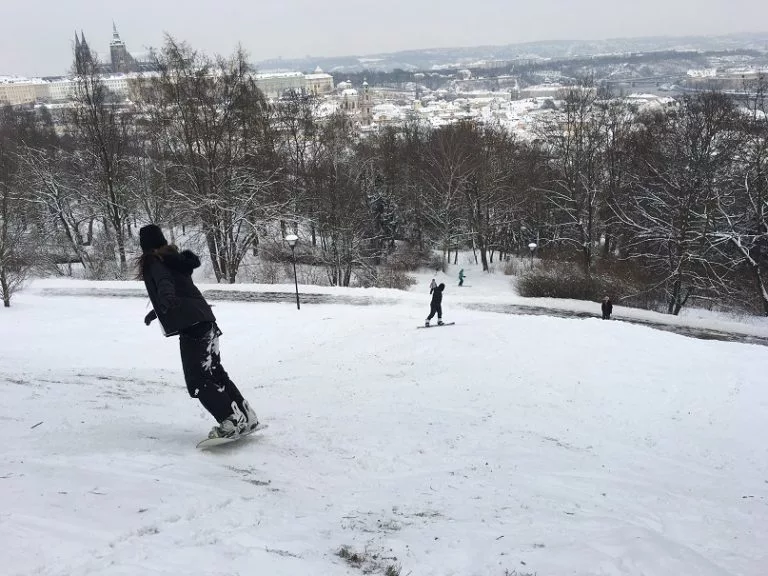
(121, 251)
(483, 252)
(674, 297)
(761, 287)
(5, 289)
(211, 241)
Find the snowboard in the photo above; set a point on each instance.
(212, 442)
(437, 325)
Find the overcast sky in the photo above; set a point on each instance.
(36, 37)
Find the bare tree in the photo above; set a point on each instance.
(102, 127)
(64, 209)
(742, 228)
(342, 218)
(686, 160)
(213, 124)
(487, 195)
(575, 139)
(295, 120)
(17, 238)
(447, 167)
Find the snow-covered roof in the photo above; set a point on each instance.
(268, 75)
(318, 76)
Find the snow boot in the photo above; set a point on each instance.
(251, 421)
(232, 426)
(227, 428)
(426, 323)
(440, 322)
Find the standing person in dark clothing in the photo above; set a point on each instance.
(182, 309)
(607, 308)
(436, 306)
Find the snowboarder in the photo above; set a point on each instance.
(432, 286)
(436, 306)
(461, 277)
(182, 309)
(607, 308)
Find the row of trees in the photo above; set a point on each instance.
(679, 192)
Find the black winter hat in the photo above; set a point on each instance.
(151, 238)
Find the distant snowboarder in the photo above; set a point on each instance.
(461, 277)
(182, 309)
(436, 306)
(432, 286)
(607, 308)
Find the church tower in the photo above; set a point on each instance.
(122, 61)
(83, 58)
(366, 105)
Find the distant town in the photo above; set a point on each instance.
(507, 92)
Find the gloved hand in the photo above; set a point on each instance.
(149, 317)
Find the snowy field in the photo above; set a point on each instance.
(502, 445)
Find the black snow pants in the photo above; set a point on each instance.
(435, 309)
(205, 376)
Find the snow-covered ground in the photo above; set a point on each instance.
(489, 291)
(504, 444)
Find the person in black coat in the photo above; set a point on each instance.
(436, 306)
(181, 309)
(607, 308)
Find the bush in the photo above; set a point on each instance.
(307, 274)
(515, 266)
(267, 272)
(562, 280)
(436, 262)
(397, 279)
(408, 258)
(384, 277)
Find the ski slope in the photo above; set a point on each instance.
(504, 444)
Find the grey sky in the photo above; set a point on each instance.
(36, 37)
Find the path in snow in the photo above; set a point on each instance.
(243, 295)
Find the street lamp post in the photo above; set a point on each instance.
(532, 247)
(292, 239)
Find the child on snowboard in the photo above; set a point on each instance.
(436, 306)
(181, 309)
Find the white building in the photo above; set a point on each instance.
(318, 83)
(16, 91)
(275, 84)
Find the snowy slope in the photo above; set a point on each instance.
(505, 443)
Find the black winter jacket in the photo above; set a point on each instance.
(607, 307)
(176, 300)
(437, 295)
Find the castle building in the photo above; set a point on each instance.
(122, 61)
(83, 56)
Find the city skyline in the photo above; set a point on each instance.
(39, 45)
